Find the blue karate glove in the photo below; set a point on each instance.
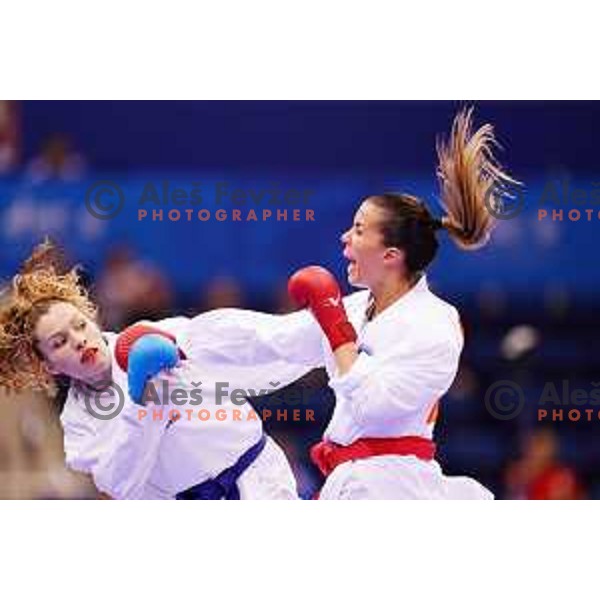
(143, 351)
(148, 357)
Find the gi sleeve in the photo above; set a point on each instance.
(245, 337)
(400, 382)
(129, 457)
(119, 453)
(80, 440)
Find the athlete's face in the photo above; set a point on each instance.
(72, 344)
(370, 261)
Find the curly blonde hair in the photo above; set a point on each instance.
(40, 283)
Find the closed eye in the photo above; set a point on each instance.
(58, 342)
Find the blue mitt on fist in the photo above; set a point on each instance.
(148, 356)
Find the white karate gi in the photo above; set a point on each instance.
(408, 359)
(130, 457)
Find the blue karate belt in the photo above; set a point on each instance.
(224, 485)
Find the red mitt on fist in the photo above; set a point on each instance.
(316, 288)
(131, 335)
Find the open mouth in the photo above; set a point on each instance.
(89, 356)
(351, 269)
(351, 266)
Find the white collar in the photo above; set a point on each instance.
(419, 287)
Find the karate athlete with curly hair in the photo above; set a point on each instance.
(49, 330)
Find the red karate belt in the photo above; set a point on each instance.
(328, 455)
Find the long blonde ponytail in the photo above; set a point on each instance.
(472, 182)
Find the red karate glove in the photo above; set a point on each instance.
(131, 335)
(316, 288)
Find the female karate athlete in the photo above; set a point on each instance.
(48, 329)
(391, 351)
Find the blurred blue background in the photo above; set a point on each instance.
(528, 299)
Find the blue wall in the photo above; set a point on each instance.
(526, 256)
(341, 150)
(323, 135)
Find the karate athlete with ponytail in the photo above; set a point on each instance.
(392, 350)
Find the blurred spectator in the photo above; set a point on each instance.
(129, 289)
(222, 292)
(10, 136)
(57, 161)
(283, 302)
(31, 451)
(466, 385)
(539, 474)
(519, 342)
